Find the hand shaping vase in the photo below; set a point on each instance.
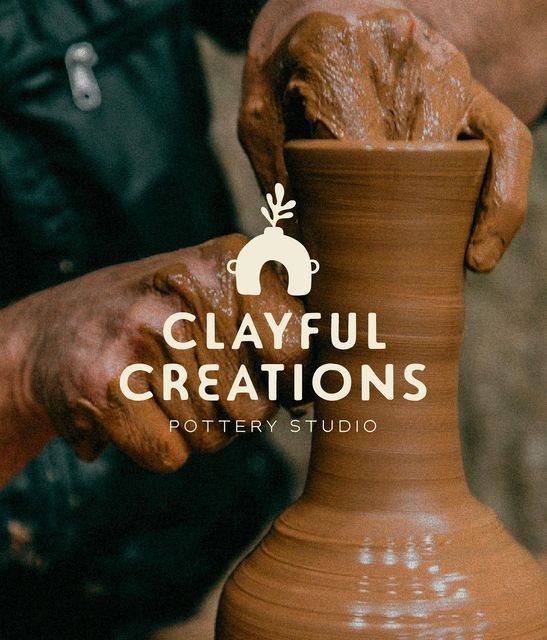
(386, 541)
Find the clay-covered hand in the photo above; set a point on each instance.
(372, 71)
(78, 338)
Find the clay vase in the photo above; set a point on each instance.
(386, 541)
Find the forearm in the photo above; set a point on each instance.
(23, 431)
(504, 42)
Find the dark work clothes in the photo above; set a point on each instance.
(107, 550)
(114, 550)
(134, 177)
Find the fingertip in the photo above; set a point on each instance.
(207, 438)
(245, 411)
(171, 462)
(483, 256)
(81, 428)
(143, 432)
(89, 451)
(162, 457)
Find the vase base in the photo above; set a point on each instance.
(405, 577)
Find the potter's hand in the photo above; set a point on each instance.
(75, 340)
(374, 73)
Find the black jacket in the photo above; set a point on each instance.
(83, 189)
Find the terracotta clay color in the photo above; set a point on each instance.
(62, 370)
(380, 73)
(386, 541)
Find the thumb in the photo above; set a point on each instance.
(505, 193)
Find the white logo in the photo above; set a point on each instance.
(273, 244)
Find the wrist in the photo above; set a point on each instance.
(24, 427)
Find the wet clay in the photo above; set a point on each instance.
(386, 541)
(385, 75)
(115, 317)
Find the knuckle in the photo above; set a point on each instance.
(400, 22)
(232, 244)
(251, 117)
(169, 278)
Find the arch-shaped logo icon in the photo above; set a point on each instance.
(273, 244)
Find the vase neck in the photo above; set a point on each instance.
(389, 230)
(393, 453)
(413, 458)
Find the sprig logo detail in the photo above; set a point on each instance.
(273, 244)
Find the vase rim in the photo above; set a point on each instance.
(390, 146)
